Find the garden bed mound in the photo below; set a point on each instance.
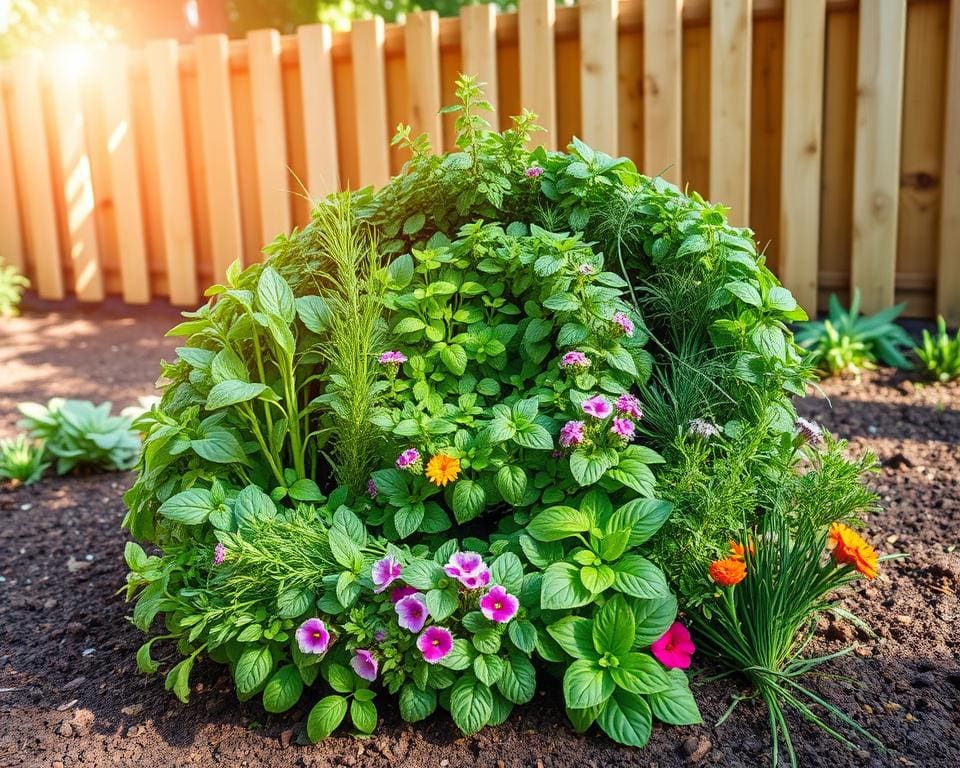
(70, 694)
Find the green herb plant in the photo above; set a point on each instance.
(12, 286)
(22, 460)
(939, 355)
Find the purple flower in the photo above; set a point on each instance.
(630, 406)
(312, 636)
(703, 428)
(398, 593)
(597, 406)
(412, 612)
(533, 172)
(625, 323)
(571, 434)
(623, 428)
(219, 554)
(499, 605)
(384, 573)
(434, 644)
(372, 489)
(585, 269)
(393, 358)
(469, 569)
(576, 360)
(364, 664)
(410, 460)
(808, 430)
(380, 636)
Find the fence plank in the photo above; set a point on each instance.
(12, 250)
(598, 73)
(877, 155)
(805, 38)
(478, 42)
(319, 110)
(663, 88)
(422, 39)
(34, 173)
(538, 81)
(948, 270)
(219, 152)
(266, 87)
(731, 30)
(176, 221)
(75, 175)
(370, 86)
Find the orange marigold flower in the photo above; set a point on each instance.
(728, 571)
(443, 469)
(850, 548)
(738, 551)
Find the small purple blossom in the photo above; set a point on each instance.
(625, 323)
(499, 605)
(312, 636)
(219, 554)
(597, 406)
(385, 572)
(393, 358)
(364, 664)
(410, 460)
(533, 172)
(398, 593)
(412, 612)
(572, 434)
(809, 431)
(628, 405)
(435, 643)
(585, 269)
(623, 428)
(575, 360)
(703, 428)
(379, 635)
(372, 489)
(469, 569)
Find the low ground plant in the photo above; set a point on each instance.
(22, 460)
(12, 286)
(939, 354)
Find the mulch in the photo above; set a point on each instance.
(70, 693)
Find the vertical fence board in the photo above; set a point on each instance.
(370, 84)
(876, 183)
(766, 114)
(266, 88)
(695, 138)
(422, 49)
(663, 88)
(948, 265)
(37, 197)
(70, 139)
(222, 188)
(173, 186)
(478, 41)
(538, 82)
(805, 35)
(598, 73)
(11, 238)
(319, 110)
(451, 65)
(731, 24)
(631, 93)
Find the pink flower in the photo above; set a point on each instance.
(364, 664)
(625, 323)
(469, 569)
(809, 431)
(630, 406)
(412, 612)
(575, 360)
(703, 428)
(398, 593)
(499, 605)
(372, 490)
(411, 460)
(674, 648)
(434, 644)
(384, 573)
(219, 554)
(571, 434)
(380, 636)
(533, 172)
(623, 428)
(597, 406)
(393, 358)
(313, 637)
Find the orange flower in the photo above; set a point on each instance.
(728, 571)
(850, 548)
(737, 551)
(443, 469)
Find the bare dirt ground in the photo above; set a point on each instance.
(70, 694)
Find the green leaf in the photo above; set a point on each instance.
(512, 483)
(252, 669)
(523, 635)
(441, 603)
(654, 617)
(488, 668)
(640, 674)
(345, 551)
(415, 704)
(471, 704)
(676, 704)
(220, 447)
(643, 517)
(626, 719)
(294, 602)
(400, 272)
(746, 292)
(364, 715)
(638, 577)
(253, 504)
(597, 578)
(556, 523)
(454, 357)
(586, 684)
(487, 640)
(178, 679)
(313, 312)
(562, 588)
(232, 392)
(407, 519)
(305, 489)
(274, 296)
(534, 436)
(341, 679)
(469, 499)
(461, 655)
(188, 507)
(575, 635)
(414, 223)
(145, 662)
(582, 719)
(409, 325)
(283, 690)
(507, 571)
(518, 680)
(423, 574)
(614, 627)
(325, 716)
(588, 467)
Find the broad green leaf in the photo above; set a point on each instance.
(676, 704)
(575, 635)
(400, 272)
(416, 704)
(220, 447)
(586, 684)
(274, 296)
(341, 679)
(461, 655)
(190, 507)
(441, 603)
(232, 392)
(638, 577)
(518, 680)
(469, 499)
(512, 483)
(407, 519)
(283, 689)
(556, 523)
(588, 467)
(523, 635)
(252, 669)
(471, 704)
(325, 716)
(640, 674)
(582, 719)
(294, 602)
(178, 679)
(507, 571)
(643, 517)
(454, 357)
(626, 719)
(654, 617)
(364, 715)
(562, 588)
(488, 668)
(314, 313)
(597, 578)
(614, 627)
(534, 436)
(305, 489)
(423, 574)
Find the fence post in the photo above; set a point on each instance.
(663, 88)
(422, 50)
(478, 47)
(598, 74)
(538, 80)
(948, 269)
(369, 87)
(319, 109)
(11, 238)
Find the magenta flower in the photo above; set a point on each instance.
(380, 636)
(393, 358)
(809, 431)
(533, 172)
(219, 554)
(576, 360)
(628, 405)
(623, 428)
(571, 434)
(412, 612)
(364, 664)
(372, 489)
(313, 637)
(674, 648)
(625, 323)
(410, 460)
(703, 428)
(499, 605)
(434, 644)
(469, 569)
(385, 572)
(597, 406)
(398, 593)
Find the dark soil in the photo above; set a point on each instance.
(70, 694)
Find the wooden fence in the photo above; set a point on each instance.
(832, 127)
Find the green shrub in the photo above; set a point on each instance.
(22, 459)
(940, 355)
(12, 286)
